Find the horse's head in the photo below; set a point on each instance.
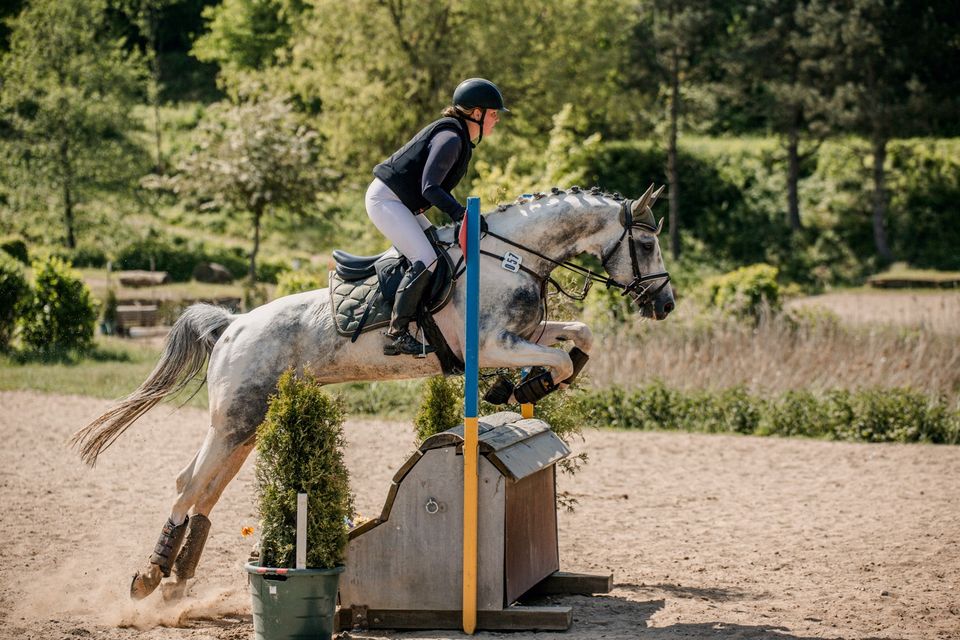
(635, 261)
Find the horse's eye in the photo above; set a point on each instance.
(647, 246)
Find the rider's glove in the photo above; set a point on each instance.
(459, 223)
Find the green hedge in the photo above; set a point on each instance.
(179, 256)
(869, 415)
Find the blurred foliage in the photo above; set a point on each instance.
(747, 292)
(178, 256)
(299, 281)
(589, 84)
(15, 247)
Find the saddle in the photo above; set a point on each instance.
(363, 288)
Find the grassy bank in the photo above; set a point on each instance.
(118, 366)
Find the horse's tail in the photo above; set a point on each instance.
(185, 352)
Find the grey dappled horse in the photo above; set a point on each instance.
(248, 352)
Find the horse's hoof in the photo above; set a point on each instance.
(144, 583)
(173, 591)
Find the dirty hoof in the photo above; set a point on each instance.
(144, 583)
(173, 591)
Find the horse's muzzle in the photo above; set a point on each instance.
(663, 304)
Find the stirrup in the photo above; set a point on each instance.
(405, 344)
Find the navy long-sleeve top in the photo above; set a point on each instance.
(444, 150)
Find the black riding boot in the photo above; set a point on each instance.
(415, 282)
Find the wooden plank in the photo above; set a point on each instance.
(530, 456)
(497, 431)
(516, 618)
(363, 528)
(530, 533)
(507, 435)
(388, 503)
(563, 583)
(500, 418)
(403, 470)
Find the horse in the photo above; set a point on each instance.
(248, 352)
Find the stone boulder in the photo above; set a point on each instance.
(212, 272)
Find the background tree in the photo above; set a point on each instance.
(147, 15)
(777, 74)
(254, 158)
(684, 35)
(66, 99)
(243, 35)
(891, 60)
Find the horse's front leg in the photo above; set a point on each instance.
(507, 349)
(552, 332)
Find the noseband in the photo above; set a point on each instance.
(640, 289)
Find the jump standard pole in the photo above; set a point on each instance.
(470, 419)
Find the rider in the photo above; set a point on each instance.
(420, 175)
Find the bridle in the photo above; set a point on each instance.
(638, 289)
(641, 289)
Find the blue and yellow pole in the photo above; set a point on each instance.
(470, 429)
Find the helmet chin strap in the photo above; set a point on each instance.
(483, 114)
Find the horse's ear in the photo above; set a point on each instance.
(656, 194)
(659, 224)
(626, 217)
(643, 202)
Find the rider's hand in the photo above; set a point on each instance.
(459, 223)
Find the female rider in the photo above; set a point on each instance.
(420, 175)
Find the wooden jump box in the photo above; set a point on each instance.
(404, 569)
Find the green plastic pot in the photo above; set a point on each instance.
(293, 604)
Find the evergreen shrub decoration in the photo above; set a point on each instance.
(60, 314)
(300, 450)
(13, 289)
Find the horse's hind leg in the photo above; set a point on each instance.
(199, 486)
(185, 565)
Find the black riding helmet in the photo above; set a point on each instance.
(478, 92)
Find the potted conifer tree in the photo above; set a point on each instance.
(300, 451)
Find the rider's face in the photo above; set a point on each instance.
(490, 120)
(493, 117)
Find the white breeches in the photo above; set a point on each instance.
(399, 224)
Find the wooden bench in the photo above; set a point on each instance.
(135, 315)
(143, 278)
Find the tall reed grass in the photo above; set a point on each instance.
(803, 349)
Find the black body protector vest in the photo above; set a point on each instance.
(403, 171)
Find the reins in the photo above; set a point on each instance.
(633, 289)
